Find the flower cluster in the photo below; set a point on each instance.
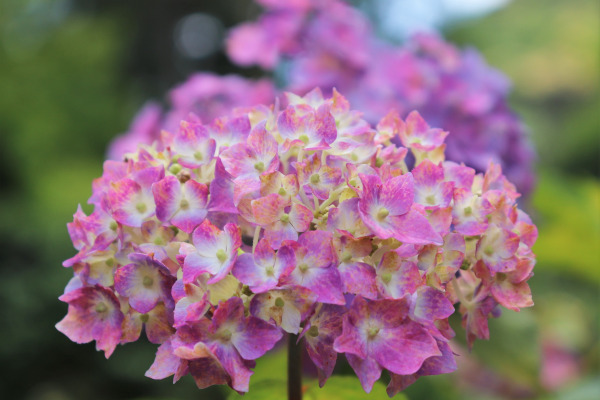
(219, 238)
(329, 44)
(206, 95)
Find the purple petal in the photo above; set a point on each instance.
(413, 227)
(367, 370)
(256, 339)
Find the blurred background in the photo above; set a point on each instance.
(73, 74)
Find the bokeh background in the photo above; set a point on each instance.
(74, 72)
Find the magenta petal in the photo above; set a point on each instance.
(430, 304)
(512, 296)
(436, 365)
(325, 325)
(256, 339)
(94, 314)
(405, 348)
(261, 142)
(359, 278)
(246, 270)
(214, 251)
(130, 203)
(167, 196)
(208, 371)
(193, 211)
(397, 278)
(221, 191)
(143, 283)
(297, 304)
(379, 330)
(400, 382)
(326, 283)
(367, 370)
(319, 247)
(165, 364)
(397, 194)
(280, 234)
(413, 227)
(268, 209)
(159, 326)
(351, 341)
(235, 366)
(262, 271)
(444, 364)
(300, 217)
(371, 192)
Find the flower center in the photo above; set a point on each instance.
(113, 225)
(144, 318)
(221, 255)
(303, 267)
(279, 302)
(315, 178)
(313, 331)
(101, 308)
(304, 139)
(282, 192)
(269, 271)
(372, 332)
(198, 156)
(468, 211)
(386, 277)
(488, 251)
(430, 199)
(382, 213)
(141, 207)
(147, 281)
(285, 218)
(184, 204)
(259, 166)
(225, 335)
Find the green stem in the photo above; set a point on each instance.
(294, 368)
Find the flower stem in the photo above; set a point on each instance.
(294, 368)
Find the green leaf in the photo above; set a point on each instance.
(336, 388)
(347, 388)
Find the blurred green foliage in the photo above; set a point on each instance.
(550, 51)
(269, 383)
(566, 212)
(65, 93)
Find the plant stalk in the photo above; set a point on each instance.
(294, 368)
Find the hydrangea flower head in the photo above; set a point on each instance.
(330, 44)
(307, 221)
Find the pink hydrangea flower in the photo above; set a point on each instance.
(303, 221)
(264, 269)
(94, 314)
(183, 205)
(377, 334)
(385, 208)
(213, 251)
